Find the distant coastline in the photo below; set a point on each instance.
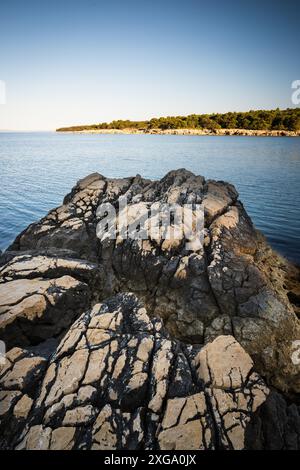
(273, 123)
(191, 132)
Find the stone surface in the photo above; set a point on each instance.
(41, 295)
(23, 407)
(206, 320)
(235, 284)
(132, 388)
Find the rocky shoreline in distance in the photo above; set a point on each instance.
(212, 132)
(144, 344)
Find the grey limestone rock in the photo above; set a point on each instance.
(148, 343)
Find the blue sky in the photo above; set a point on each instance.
(70, 62)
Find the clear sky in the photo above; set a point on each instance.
(71, 62)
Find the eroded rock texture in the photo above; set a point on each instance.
(117, 380)
(40, 296)
(175, 363)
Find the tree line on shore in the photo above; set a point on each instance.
(277, 119)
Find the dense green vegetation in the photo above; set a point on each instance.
(277, 119)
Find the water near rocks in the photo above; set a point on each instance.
(38, 169)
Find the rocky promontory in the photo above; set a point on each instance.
(148, 343)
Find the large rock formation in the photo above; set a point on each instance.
(172, 359)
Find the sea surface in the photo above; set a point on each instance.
(38, 169)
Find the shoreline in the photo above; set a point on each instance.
(201, 132)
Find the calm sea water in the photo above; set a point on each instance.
(38, 169)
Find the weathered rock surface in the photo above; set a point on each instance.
(235, 285)
(116, 380)
(40, 296)
(155, 370)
